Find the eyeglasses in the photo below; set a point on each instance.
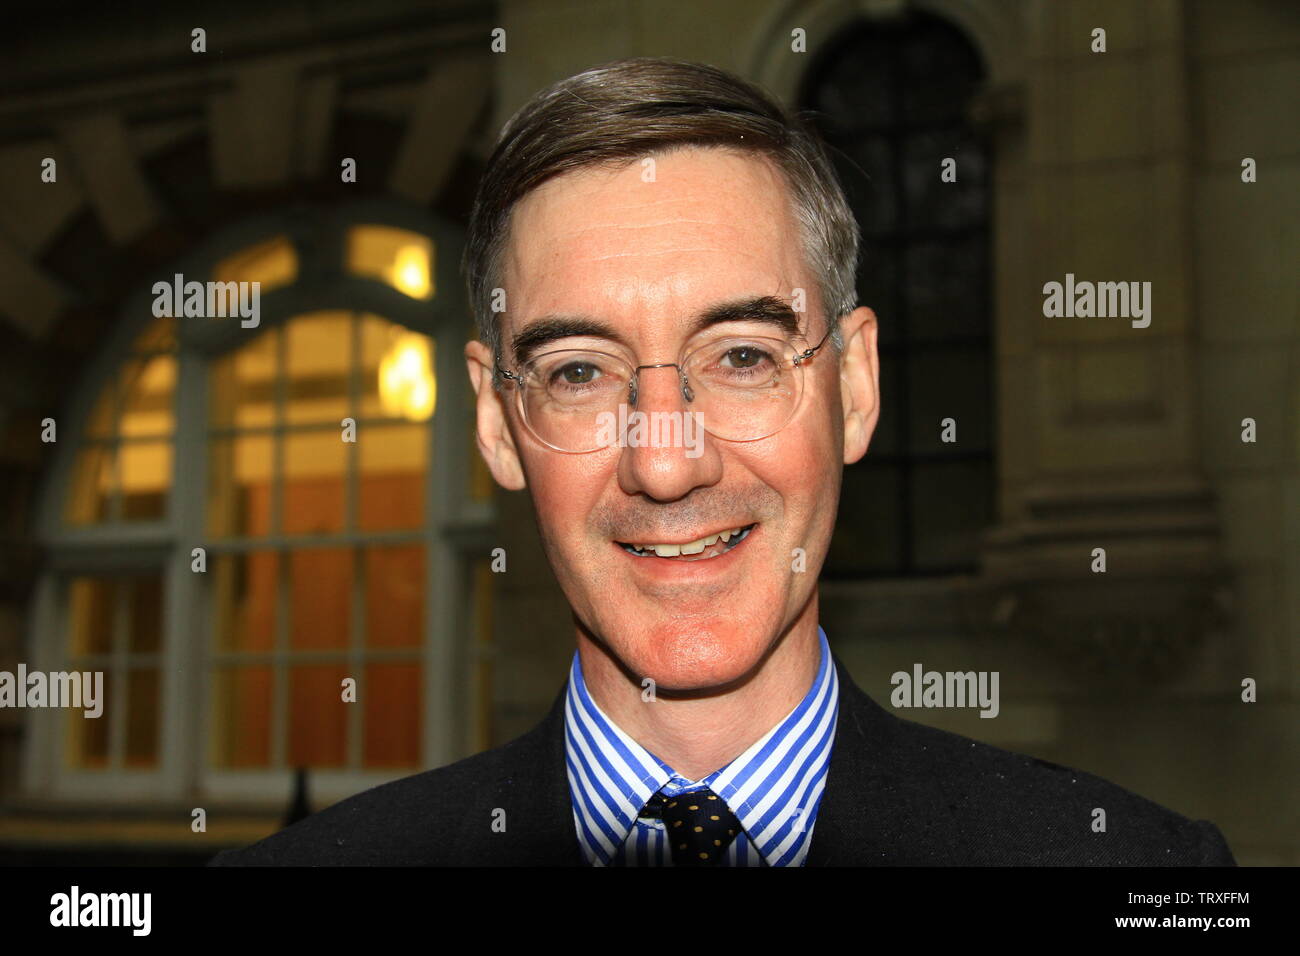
(741, 388)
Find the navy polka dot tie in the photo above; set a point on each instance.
(698, 824)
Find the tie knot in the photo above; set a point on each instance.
(698, 824)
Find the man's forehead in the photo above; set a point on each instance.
(708, 223)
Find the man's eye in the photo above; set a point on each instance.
(577, 373)
(745, 356)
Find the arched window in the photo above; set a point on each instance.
(268, 532)
(891, 96)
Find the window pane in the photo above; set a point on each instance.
(886, 440)
(394, 596)
(90, 616)
(940, 71)
(241, 719)
(933, 204)
(318, 352)
(317, 716)
(950, 384)
(869, 529)
(272, 263)
(952, 508)
(320, 596)
(245, 594)
(377, 339)
(146, 478)
(397, 372)
(144, 596)
(878, 287)
(393, 464)
(239, 485)
(877, 210)
(391, 698)
(88, 737)
(407, 387)
(856, 88)
(947, 285)
(142, 698)
(314, 466)
(241, 390)
(148, 388)
(400, 258)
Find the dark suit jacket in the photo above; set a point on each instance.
(897, 793)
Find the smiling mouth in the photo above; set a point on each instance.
(702, 549)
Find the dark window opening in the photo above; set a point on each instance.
(891, 99)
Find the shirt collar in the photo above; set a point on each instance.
(773, 788)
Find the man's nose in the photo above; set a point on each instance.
(669, 455)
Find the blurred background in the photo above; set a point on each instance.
(324, 559)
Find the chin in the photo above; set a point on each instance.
(690, 656)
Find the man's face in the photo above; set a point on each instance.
(646, 258)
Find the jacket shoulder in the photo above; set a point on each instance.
(1002, 807)
(429, 818)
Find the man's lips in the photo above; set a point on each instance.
(709, 546)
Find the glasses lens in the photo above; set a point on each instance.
(745, 388)
(571, 398)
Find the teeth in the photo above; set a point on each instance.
(695, 547)
(691, 547)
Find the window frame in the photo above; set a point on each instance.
(456, 530)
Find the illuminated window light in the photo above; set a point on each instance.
(406, 384)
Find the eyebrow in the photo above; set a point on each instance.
(768, 309)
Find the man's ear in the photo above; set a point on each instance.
(859, 381)
(495, 442)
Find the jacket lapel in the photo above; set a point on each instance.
(873, 804)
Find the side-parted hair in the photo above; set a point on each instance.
(614, 114)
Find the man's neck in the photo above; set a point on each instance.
(698, 735)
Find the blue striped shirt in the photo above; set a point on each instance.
(773, 788)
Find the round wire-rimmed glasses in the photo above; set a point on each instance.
(738, 388)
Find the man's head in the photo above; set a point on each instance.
(619, 208)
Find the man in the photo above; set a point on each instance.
(659, 238)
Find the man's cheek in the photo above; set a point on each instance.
(562, 512)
